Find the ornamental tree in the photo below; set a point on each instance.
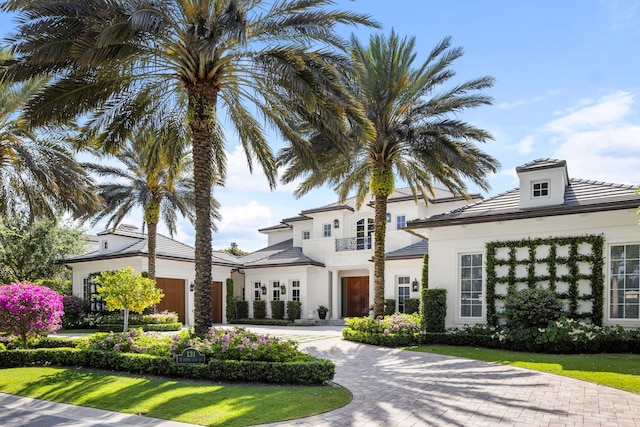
(27, 310)
(127, 291)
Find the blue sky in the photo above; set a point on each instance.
(567, 86)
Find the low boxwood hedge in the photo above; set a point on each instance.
(155, 327)
(309, 371)
(269, 322)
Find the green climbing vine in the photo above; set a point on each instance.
(571, 263)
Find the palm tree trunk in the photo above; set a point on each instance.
(380, 228)
(202, 102)
(152, 215)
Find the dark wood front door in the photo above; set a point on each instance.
(216, 302)
(357, 296)
(173, 299)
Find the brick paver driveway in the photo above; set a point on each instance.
(402, 388)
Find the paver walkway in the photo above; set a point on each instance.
(402, 388)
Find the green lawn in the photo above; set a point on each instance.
(621, 371)
(193, 402)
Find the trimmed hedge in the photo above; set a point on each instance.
(242, 309)
(230, 303)
(155, 327)
(277, 309)
(411, 305)
(434, 309)
(312, 371)
(389, 306)
(294, 310)
(270, 322)
(386, 340)
(259, 309)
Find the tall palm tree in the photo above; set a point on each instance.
(38, 171)
(159, 183)
(125, 59)
(418, 137)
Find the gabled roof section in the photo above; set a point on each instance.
(416, 250)
(166, 248)
(279, 255)
(328, 208)
(581, 196)
(540, 164)
(275, 228)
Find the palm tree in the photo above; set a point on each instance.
(158, 182)
(123, 60)
(38, 171)
(418, 138)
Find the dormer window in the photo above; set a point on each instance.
(540, 189)
(105, 245)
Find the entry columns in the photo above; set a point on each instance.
(334, 312)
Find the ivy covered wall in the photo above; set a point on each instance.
(572, 267)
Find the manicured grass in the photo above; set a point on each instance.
(621, 371)
(74, 331)
(193, 402)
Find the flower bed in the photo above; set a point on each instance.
(232, 355)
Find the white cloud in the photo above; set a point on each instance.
(607, 111)
(526, 145)
(520, 102)
(241, 179)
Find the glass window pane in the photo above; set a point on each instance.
(465, 311)
(465, 285)
(476, 259)
(617, 252)
(476, 311)
(477, 272)
(633, 251)
(465, 260)
(631, 312)
(465, 273)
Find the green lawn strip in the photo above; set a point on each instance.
(621, 371)
(195, 402)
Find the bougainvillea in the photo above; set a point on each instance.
(27, 310)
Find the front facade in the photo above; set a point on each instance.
(572, 233)
(322, 256)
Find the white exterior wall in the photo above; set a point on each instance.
(284, 275)
(183, 270)
(411, 268)
(446, 244)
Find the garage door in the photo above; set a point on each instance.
(173, 299)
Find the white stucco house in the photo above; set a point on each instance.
(323, 256)
(578, 236)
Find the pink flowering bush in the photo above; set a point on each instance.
(27, 310)
(236, 344)
(402, 324)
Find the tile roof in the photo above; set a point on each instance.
(539, 164)
(166, 248)
(278, 255)
(580, 196)
(416, 250)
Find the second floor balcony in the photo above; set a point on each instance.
(353, 244)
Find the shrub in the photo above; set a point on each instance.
(407, 324)
(531, 308)
(27, 310)
(259, 309)
(277, 309)
(434, 309)
(389, 306)
(308, 371)
(230, 303)
(164, 317)
(294, 310)
(242, 309)
(75, 309)
(411, 305)
(269, 322)
(61, 286)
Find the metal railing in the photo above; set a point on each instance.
(353, 244)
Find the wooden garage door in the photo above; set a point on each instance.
(173, 299)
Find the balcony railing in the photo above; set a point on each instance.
(353, 244)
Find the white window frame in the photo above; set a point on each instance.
(257, 291)
(399, 219)
(326, 230)
(629, 293)
(306, 235)
(105, 245)
(402, 283)
(275, 290)
(471, 279)
(540, 187)
(294, 285)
